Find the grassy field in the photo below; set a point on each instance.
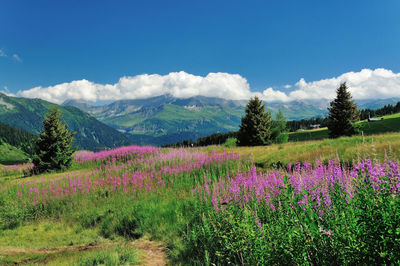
(347, 149)
(390, 123)
(151, 206)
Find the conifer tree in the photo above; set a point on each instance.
(54, 146)
(256, 125)
(342, 113)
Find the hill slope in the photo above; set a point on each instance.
(390, 123)
(11, 155)
(17, 137)
(27, 114)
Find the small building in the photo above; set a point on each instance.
(372, 119)
(314, 126)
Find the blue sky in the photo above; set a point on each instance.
(269, 43)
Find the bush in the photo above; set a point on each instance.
(230, 142)
(282, 138)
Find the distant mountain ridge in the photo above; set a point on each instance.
(91, 134)
(166, 119)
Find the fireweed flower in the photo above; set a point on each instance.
(129, 170)
(314, 184)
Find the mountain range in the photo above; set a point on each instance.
(28, 114)
(153, 121)
(166, 119)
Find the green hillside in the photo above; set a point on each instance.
(165, 119)
(390, 123)
(17, 137)
(27, 114)
(11, 155)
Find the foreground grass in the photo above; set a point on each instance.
(104, 255)
(50, 234)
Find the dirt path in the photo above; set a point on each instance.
(151, 252)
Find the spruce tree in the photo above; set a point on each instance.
(53, 149)
(342, 113)
(256, 125)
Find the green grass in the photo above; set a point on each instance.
(50, 234)
(11, 155)
(107, 255)
(348, 149)
(390, 123)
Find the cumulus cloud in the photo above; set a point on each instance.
(366, 84)
(272, 95)
(287, 86)
(17, 58)
(178, 84)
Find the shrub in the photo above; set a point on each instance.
(230, 142)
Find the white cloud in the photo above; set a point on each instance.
(287, 86)
(178, 84)
(271, 95)
(366, 84)
(17, 58)
(6, 91)
(2, 53)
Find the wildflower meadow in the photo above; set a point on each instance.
(210, 207)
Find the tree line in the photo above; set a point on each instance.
(18, 138)
(386, 110)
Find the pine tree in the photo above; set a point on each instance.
(342, 113)
(53, 149)
(256, 125)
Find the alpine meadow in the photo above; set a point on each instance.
(279, 146)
